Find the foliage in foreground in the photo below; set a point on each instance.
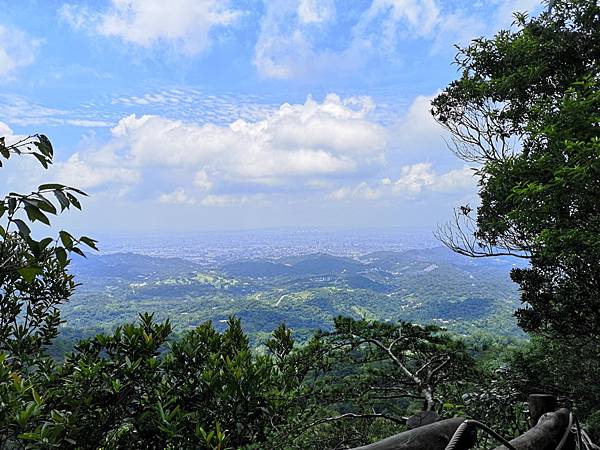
(134, 389)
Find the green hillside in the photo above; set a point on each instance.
(305, 292)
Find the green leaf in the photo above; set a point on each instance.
(89, 242)
(66, 239)
(45, 146)
(62, 199)
(42, 159)
(36, 397)
(23, 228)
(29, 273)
(78, 251)
(45, 242)
(61, 254)
(50, 186)
(12, 205)
(46, 205)
(29, 436)
(77, 190)
(34, 213)
(74, 201)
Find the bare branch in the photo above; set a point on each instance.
(459, 235)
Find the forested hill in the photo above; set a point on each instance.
(305, 291)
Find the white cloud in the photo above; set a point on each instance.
(295, 39)
(6, 132)
(414, 181)
(327, 138)
(196, 106)
(291, 45)
(417, 129)
(177, 197)
(314, 144)
(417, 178)
(17, 110)
(88, 123)
(331, 147)
(96, 170)
(186, 24)
(316, 11)
(17, 49)
(225, 200)
(202, 181)
(417, 17)
(456, 180)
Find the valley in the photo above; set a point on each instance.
(306, 292)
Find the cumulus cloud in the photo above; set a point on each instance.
(202, 181)
(333, 148)
(99, 169)
(457, 180)
(312, 144)
(17, 49)
(414, 180)
(186, 24)
(177, 197)
(6, 132)
(417, 130)
(420, 177)
(96, 171)
(331, 137)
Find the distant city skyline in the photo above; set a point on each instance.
(213, 114)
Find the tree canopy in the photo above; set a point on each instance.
(525, 110)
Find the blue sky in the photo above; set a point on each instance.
(215, 114)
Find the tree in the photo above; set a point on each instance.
(33, 284)
(361, 381)
(525, 111)
(141, 388)
(33, 276)
(412, 361)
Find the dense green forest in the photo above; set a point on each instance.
(524, 112)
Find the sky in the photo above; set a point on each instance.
(214, 114)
